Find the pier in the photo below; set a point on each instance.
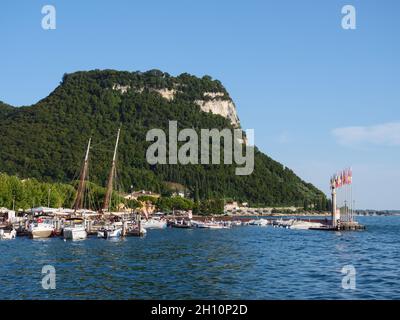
(346, 223)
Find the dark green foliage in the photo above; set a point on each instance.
(151, 199)
(47, 141)
(174, 203)
(211, 206)
(5, 109)
(25, 194)
(30, 193)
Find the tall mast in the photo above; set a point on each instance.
(82, 180)
(107, 198)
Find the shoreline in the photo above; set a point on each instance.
(249, 215)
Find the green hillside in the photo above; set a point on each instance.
(47, 140)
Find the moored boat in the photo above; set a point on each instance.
(109, 232)
(211, 225)
(214, 225)
(40, 229)
(183, 224)
(7, 234)
(75, 230)
(258, 222)
(154, 223)
(304, 225)
(237, 223)
(136, 231)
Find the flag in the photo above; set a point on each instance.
(350, 176)
(345, 177)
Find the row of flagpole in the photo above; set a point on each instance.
(342, 182)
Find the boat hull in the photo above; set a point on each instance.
(74, 234)
(39, 234)
(7, 235)
(107, 234)
(181, 226)
(152, 224)
(136, 232)
(216, 226)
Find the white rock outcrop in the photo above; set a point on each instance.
(213, 94)
(166, 93)
(120, 88)
(214, 102)
(222, 107)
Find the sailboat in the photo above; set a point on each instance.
(77, 230)
(114, 230)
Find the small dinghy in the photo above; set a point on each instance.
(135, 231)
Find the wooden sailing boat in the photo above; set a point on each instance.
(107, 198)
(78, 204)
(77, 229)
(111, 231)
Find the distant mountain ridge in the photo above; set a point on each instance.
(47, 140)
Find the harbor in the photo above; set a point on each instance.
(48, 222)
(243, 262)
(79, 222)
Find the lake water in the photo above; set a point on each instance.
(240, 263)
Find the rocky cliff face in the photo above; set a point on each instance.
(214, 102)
(217, 104)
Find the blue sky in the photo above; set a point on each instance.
(319, 97)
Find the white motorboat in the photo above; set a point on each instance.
(259, 222)
(198, 224)
(40, 229)
(262, 222)
(237, 223)
(304, 225)
(214, 225)
(210, 225)
(154, 223)
(75, 230)
(283, 223)
(75, 233)
(7, 234)
(109, 232)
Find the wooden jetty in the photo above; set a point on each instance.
(342, 226)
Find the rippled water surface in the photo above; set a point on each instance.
(240, 263)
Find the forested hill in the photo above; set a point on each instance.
(47, 140)
(5, 108)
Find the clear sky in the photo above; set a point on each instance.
(319, 97)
